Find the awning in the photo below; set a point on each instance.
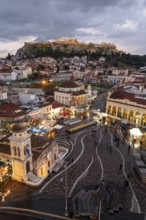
(64, 114)
(136, 132)
(124, 122)
(36, 115)
(58, 126)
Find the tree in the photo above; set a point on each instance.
(9, 56)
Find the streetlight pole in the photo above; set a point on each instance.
(99, 212)
(66, 199)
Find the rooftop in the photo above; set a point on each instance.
(10, 110)
(69, 84)
(121, 94)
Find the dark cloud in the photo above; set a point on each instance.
(49, 19)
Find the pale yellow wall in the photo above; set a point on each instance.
(129, 107)
(18, 170)
(46, 110)
(64, 97)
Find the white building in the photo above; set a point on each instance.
(70, 94)
(78, 74)
(101, 59)
(65, 75)
(23, 72)
(116, 79)
(26, 97)
(3, 93)
(8, 76)
(117, 71)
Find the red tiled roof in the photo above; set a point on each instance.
(45, 104)
(69, 84)
(10, 110)
(56, 105)
(139, 79)
(129, 96)
(50, 99)
(6, 71)
(129, 83)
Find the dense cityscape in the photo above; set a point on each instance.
(72, 110)
(72, 136)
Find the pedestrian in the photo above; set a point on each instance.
(120, 167)
(126, 183)
(129, 147)
(123, 139)
(128, 176)
(110, 149)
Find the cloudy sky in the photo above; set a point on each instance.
(122, 22)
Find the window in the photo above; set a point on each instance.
(24, 150)
(17, 111)
(15, 153)
(18, 151)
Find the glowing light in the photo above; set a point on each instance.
(135, 132)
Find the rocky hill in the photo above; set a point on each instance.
(65, 47)
(71, 47)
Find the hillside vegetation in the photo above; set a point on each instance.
(69, 47)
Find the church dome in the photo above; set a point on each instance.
(19, 127)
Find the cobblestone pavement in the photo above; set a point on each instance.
(107, 165)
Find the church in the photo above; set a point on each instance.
(32, 157)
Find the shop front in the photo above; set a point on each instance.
(135, 138)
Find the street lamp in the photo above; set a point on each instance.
(43, 82)
(66, 199)
(99, 212)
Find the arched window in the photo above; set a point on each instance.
(24, 150)
(28, 166)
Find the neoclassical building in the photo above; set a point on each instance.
(70, 94)
(127, 105)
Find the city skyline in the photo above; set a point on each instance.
(120, 23)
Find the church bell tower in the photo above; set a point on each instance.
(21, 155)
